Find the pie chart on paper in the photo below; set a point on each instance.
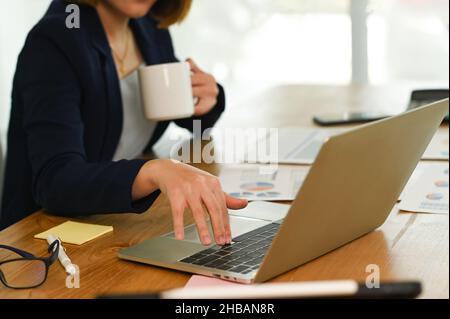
(441, 183)
(435, 196)
(257, 187)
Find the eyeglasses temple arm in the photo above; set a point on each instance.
(54, 252)
(18, 251)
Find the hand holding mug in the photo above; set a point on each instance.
(204, 88)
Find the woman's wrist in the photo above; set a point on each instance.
(145, 182)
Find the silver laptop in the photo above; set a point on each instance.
(350, 190)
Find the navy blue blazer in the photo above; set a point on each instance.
(66, 119)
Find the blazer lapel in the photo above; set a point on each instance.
(113, 103)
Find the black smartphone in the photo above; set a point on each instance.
(424, 97)
(348, 118)
(418, 98)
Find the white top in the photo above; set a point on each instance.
(136, 130)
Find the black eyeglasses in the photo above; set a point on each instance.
(25, 270)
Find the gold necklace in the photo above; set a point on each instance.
(121, 60)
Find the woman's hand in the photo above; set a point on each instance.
(188, 187)
(204, 88)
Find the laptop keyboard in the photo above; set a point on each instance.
(243, 255)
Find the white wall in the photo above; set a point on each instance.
(409, 41)
(16, 19)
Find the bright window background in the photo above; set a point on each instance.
(252, 44)
(409, 41)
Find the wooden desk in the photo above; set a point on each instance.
(407, 246)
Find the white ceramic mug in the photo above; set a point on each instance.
(166, 91)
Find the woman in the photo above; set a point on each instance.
(75, 125)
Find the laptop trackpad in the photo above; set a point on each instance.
(239, 226)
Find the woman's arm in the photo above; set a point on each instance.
(63, 181)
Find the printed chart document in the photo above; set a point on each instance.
(427, 191)
(413, 179)
(282, 145)
(439, 147)
(299, 145)
(296, 145)
(263, 182)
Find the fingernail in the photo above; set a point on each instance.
(206, 240)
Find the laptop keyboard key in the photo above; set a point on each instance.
(198, 255)
(221, 253)
(246, 251)
(205, 260)
(239, 269)
(243, 259)
(240, 245)
(213, 264)
(188, 260)
(250, 234)
(210, 250)
(234, 263)
(254, 254)
(225, 266)
(258, 260)
(259, 237)
(254, 247)
(251, 263)
(230, 248)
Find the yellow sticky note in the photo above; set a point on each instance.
(76, 233)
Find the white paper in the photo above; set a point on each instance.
(439, 147)
(294, 145)
(263, 182)
(428, 191)
(298, 145)
(414, 178)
